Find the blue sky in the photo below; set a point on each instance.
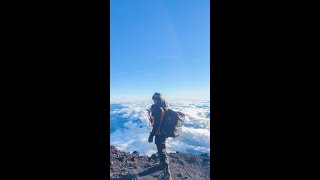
(159, 46)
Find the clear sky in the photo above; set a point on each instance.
(159, 46)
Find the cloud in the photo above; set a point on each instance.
(129, 127)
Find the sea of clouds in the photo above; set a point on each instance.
(130, 129)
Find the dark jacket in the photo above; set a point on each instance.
(157, 110)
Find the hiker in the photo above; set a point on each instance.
(157, 111)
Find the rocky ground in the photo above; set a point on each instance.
(132, 166)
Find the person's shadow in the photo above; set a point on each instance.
(149, 171)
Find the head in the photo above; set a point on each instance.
(157, 97)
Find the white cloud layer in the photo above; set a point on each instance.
(129, 127)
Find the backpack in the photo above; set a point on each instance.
(171, 125)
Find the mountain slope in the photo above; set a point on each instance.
(124, 165)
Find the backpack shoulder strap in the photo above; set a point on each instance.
(163, 112)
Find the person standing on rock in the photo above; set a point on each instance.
(157, 112)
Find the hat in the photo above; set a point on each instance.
(157, 96)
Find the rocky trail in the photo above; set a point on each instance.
(132, 166)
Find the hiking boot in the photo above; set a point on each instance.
(167, 176)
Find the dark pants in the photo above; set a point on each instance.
(161, 145)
